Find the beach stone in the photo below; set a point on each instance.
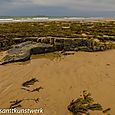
(23, 51)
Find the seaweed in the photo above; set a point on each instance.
(36, 100)
(15, 104)
(101, 30)
(18, 103)
(37, 89)
(25, 89)
(26, 86)
(29, 82)
(33, 90)
(84, 105)
(96, 106)
(106, 110)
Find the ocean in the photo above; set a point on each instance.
(44, 18)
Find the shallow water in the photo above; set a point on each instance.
(55, 56)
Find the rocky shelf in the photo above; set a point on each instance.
(23, 51)
(22, 39)
(25, 47)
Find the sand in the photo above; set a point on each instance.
(62, 79)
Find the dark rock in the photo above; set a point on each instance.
(23, 51)
(41, 48)
(59, 40)
(34, 39)
(58, 46)
(17, 55)
(0, 44)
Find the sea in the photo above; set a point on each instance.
(45, 18)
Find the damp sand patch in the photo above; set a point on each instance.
(55, 56)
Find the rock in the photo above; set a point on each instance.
(34, 45)
(17, 40)
(52, 40)
(44, 40)
(0, 44)
(58, 46)
(34, 39)
(23, 51)
(59, 40)
(17, 55)
(39, 48)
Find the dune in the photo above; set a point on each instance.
(62, 80)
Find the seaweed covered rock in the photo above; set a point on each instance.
(23, 51)
(63, 43)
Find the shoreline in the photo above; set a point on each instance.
(71, 19)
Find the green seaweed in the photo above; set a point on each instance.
(37, 89)
(15, 104)
(36, 100)
(106, 110)
(18, 103)
(95, 107)
(29, 82)
(101, 30)
(25, 89)
(84, 105)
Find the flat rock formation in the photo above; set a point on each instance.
(25, 47)
(71, 44)
(23, 51)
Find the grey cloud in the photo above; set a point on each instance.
(58, 7)
(95, 5)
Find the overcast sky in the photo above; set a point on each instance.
(57, 7)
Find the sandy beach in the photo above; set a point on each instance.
(62, 80)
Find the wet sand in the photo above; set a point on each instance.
(62, 79)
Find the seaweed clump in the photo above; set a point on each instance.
(18, 103)
(26, 86)
(29, 82)
(85, 104)
(15, 104)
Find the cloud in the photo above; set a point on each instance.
(79, 4)
(51, 2)
(59, 7)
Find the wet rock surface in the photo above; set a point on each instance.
(23, 48)
(23, 51)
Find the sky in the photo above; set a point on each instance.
(103, 8)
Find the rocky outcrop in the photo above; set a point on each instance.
(68, 44)
(23, 51)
